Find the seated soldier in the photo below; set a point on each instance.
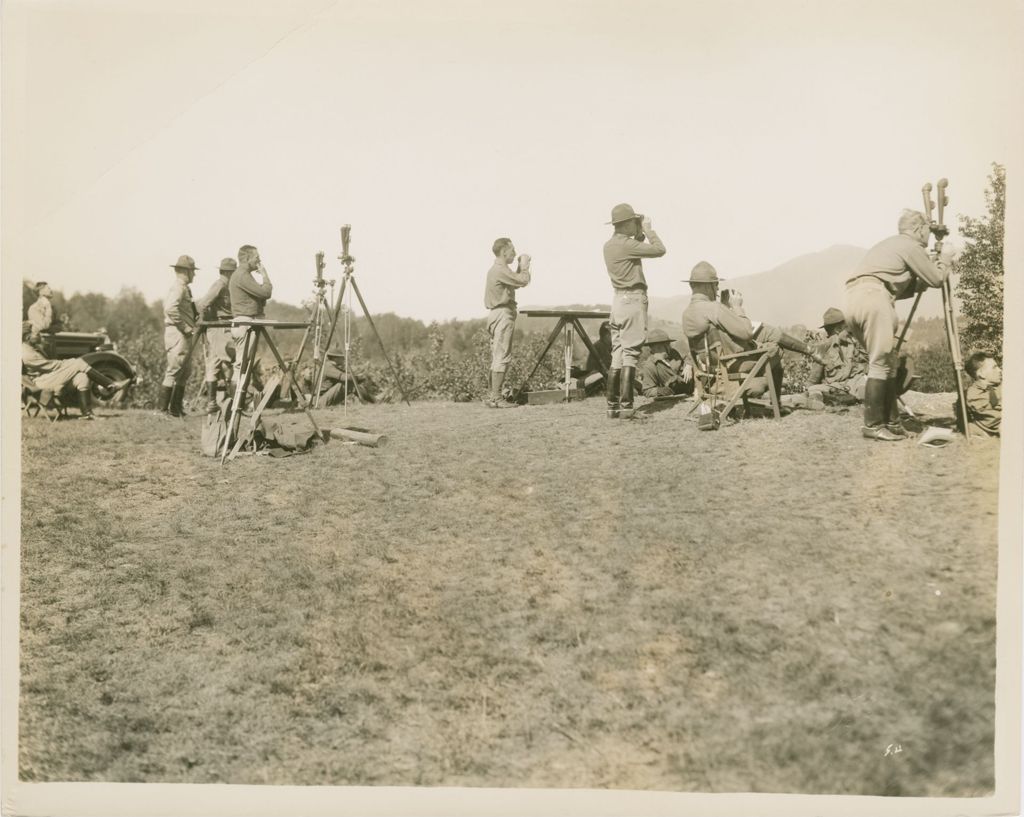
(724, 328)
(54, 375)
(985, 394)
(586, 366)
(841, 377)
(663, 372)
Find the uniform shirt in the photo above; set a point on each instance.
(502, 283)
(704, 316)
(40, 314)
(844, 359)
(622, 256)
(898, 261)
(179, 309)
(247, 295)
(215, 305)
(985, 406)
(35, 362)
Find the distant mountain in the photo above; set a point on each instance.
(796, 292)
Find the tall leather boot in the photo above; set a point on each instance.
(85, 403)
(875, 411)
(211, 396)
(892, 408)
(626, 404)
(175, 408)
(163, 401)
(612, 393)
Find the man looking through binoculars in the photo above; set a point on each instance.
(623, 254)
(500, 299)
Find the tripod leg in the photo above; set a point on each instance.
(542, 355)
(373, 326)
(298, 396)
(318, 376)
(955, 353)
(240, 387)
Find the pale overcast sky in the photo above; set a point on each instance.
(752, 132)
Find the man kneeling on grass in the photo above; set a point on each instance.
(985, 394)
(500, 298)
(53, 375)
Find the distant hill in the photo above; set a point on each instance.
(796, 292)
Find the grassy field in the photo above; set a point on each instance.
(534, 597)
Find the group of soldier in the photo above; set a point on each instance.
(857, 362)
(241, 290)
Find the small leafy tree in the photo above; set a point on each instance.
(981, 270)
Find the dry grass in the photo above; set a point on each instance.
(533, 597)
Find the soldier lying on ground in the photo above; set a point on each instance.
(332, 389)
(53, 375)
(663, 372)
(985, 394)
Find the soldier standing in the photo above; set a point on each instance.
(249, 288)
(500, 299)
(215, 305)
(179, 324)
(623, 254)
(895, 268)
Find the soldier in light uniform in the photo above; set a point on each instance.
(662, 373)
(215, 305)
(724, 328)
(53, 375)
(40, 314)
(895, 268)
(179, 324)
(623, 254)
(500, 299)
(249, 288)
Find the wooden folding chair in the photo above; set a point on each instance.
(35, 400)
(724, 379)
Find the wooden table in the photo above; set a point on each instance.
(569, 320)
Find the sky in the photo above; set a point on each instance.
(750, 132)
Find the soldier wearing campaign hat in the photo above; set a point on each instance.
(841, 377)
(215, 305)
(180, 318)
(623, 256)
(663, 372)
(714, 326)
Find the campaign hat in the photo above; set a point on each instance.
(228, 265)
(185, 262)
(831, 316)
(623, 212)
(703, 273)
(657, 336)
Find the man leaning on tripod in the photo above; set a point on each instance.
(250, 288)
(895, 268)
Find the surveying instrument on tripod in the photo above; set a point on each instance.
(939, 229)
(348, 287)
